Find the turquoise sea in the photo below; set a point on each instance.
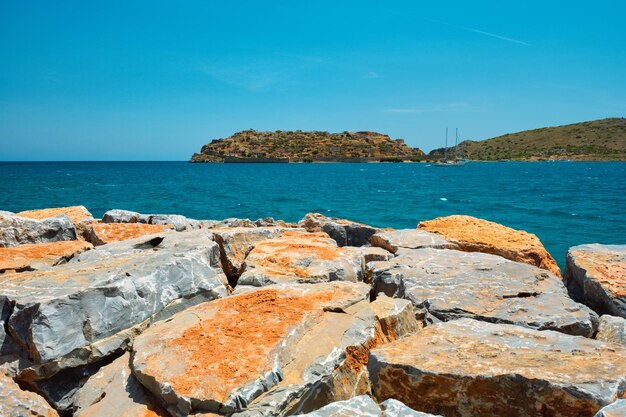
(564, 203)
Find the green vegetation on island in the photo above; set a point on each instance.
(299, 146)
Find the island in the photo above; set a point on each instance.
(301, 146)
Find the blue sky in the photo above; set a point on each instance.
(155, 80)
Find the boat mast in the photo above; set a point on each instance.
(445, 150)
(456, 143)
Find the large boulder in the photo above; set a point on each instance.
(451, 284)
(612, 329)
(180, 223)
(120, 216)
(344, 232)
(596, 275)
(303, 258)
(94, 305)
(617, 409)
(262, 352)
(15, 230)
(471, 368)
(76, 214)
(103, 233)
(393, 240)
(15, 402)
(478, 235)
(364, 406)
(29, 257)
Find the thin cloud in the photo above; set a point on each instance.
(370, 75)
(440, 108)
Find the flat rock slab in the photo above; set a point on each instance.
(617, 409)
(596, 275)
(30, 257)
(15, 230)
(395, 316)
(364, 406)
(393, 240)
(612, 329)
(15, 402)
(478, 235)
(452, 284)
(344, 232)
(103, 233)
(301, 257)
(471, 368)
(114, 392)
(82, 311)
(76, 214)
(221, 356)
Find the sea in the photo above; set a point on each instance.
(563, 203)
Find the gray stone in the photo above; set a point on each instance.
(452, 284)
(344, 232)
(15, 230)
(617, 409)
(121, 216)
(361, 406)
(612, 329)
(82, 311)
(393, 240)
(180, 223)
(6, 213)
(472, 368)
(394, 408)
(395, 316)
(596, 276)
(15, 402)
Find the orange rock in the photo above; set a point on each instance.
(75, 213)
(25, 257)
(103, 233)
(478, 235)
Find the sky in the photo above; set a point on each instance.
(155, 80)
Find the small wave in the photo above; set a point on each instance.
(443, 199)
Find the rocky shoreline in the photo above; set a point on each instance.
(160, 315)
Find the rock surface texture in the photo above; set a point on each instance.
(612, 329)
(103, 233)
(344, 232)
(15, 230)
(364, 406)
(472, 368)
(617, 409)
(82, 311)
(393, 240)
(36, 256)
(15, 402)
(477, 235)
(288, 341)
(451, 284)
(301, 257)
(76, 214)
(596, 275)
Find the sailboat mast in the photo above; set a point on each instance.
(456, 143)
(445, 150)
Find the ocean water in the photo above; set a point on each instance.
(564, 203)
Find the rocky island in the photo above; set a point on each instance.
(158, 315)
(299, 146)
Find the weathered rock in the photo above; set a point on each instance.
(30, 257)
(76, 214)
(236, 242)
(451, 284)
(114, 392)
(82, 311)
(6, 213)
(288, 341)
(478, 235)
(180, 223)
(472, 368)
(612, 329)
(300, 257)
(344, 232)
(596, 275)
(395, 316)
(103, 233)
(394, 408)
(120, 216)
(14, 402)
(617, 409)
(392, 240)
(15, 230)
(364, 406)
(370, 254)
(270, 222)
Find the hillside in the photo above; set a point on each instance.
(299, 146)
(595, 140)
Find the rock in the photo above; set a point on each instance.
(472, 368)
(451, 284)
(180, 223)
(14, 402)
(114, 392)
(236, 242)
(15, 230)
(612, 329)
(300, 257)
(344, 232)
(103, 233)
(617, 409)
(477, 235)
(370, 254)
(289, 342)
(94, 305)
(30, 257)
(596, 275)
(392, 240)
(76, 214)
(395, 316)
(120, 216)
(364, 406)
(270, 222)
(6, 213)
(394, 408)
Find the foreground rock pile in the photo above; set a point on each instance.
(161, 315)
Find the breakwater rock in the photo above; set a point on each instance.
(160, 315)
